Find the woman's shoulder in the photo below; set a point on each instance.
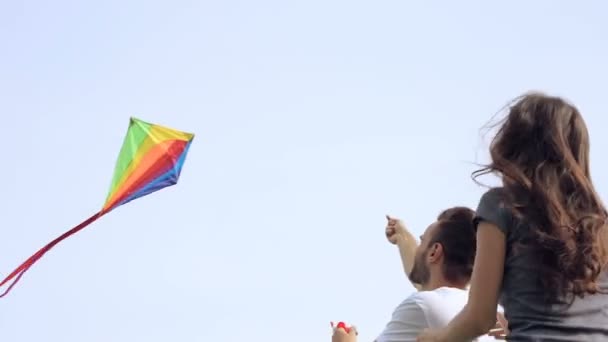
(495, 191)
(492, 208)
(494, 197)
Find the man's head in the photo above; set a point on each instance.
(447, 250)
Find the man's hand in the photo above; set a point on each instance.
(396, 231)
(340, 335)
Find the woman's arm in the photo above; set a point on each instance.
(479, 315)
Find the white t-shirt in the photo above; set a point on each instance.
(423, 310)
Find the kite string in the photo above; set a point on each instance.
(25, 266)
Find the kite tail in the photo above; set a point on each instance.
(19, 271)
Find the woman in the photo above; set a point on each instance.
(542, 236)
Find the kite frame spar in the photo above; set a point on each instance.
(151, 158)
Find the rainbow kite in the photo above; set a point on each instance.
(151, 158)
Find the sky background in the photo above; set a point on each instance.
(313, 120)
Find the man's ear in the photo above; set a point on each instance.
(435, 253)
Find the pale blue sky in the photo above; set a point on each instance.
(313, 120)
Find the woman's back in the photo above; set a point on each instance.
(523, 294)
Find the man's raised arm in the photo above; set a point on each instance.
(397, 234)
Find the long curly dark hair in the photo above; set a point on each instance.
(541, 152)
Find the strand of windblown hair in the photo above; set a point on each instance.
(25, 266)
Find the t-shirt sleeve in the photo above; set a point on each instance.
(490, 209)
(407, 322)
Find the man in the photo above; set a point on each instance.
(440, 268)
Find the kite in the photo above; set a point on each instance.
(151, 158)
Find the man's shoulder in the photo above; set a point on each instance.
(440, 305)
(419, 311)
(416, 306)
(418, 298)
(413, 302)
(407, 322)
(440, 294)
(433, 302)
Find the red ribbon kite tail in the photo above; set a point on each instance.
(19, 271)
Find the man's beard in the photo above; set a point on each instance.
(420, 273)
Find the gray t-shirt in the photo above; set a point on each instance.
(530, 319)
